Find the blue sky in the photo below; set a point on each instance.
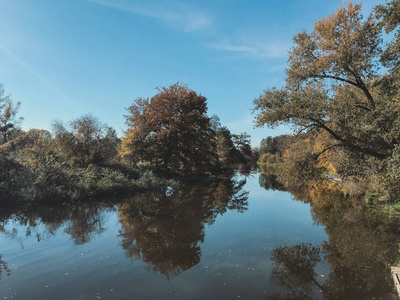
(63, 59)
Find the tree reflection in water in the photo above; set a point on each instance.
(294, 268)
(270, 182)
(165, 230)
(363, 244)
(82, 222)
(4, 267)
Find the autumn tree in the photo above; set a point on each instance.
(8, 115)
(172, 131)
(334, 86)
(389, 19)
(86, 140)
(330, 84)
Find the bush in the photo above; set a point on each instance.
(300, 165)
(113, 181)
(269, 158)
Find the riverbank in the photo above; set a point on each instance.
(52, 180)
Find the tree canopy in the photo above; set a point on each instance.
(86, 140)
(8, 115)
(171, 130)
(331, 83)
(335, 89)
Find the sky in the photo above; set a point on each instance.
(65, 59)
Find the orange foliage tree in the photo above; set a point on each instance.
(172, 131)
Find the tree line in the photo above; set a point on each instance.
(169, 138)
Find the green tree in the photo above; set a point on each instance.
(172, 130)
(8, 115)
(268, 145)
(86, 140)
(242, 144)
(227, 152)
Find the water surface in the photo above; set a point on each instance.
(241, 238)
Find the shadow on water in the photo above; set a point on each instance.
(163, 229)
(363, 244)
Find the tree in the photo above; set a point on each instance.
(86, 140)
(341, 47)
(227, 153)
(8, 115)
(389, 16)
(215, 123)
(242, 144)
(172, 130)
(268, 145)
(332, 86)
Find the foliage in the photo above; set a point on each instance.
(268, 145)
(228, 154)
(242, 144)
(8, 116)
(269, 159)
(300, 165)
(13, 177)
(389, 17)
(171, 130)
(85, 141)
(336, 95)
(342, 51)
(273, 148)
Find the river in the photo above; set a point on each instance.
(244, 237)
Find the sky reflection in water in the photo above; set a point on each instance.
(235, 238)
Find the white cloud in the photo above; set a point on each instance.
(255, 48)
(180, 17)
(184, 18)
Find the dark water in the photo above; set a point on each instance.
(240, 238)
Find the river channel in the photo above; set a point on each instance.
(244, 238)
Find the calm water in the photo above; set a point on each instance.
(242, 238)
